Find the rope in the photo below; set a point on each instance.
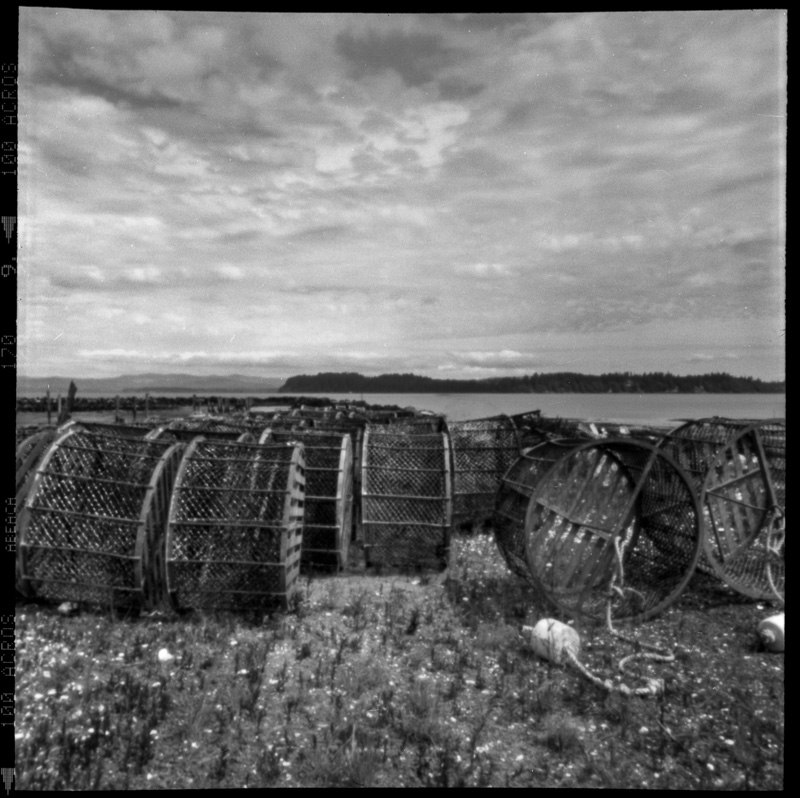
(654, 686)
(775, 543)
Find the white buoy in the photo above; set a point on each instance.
(771, 632)
(553, 640)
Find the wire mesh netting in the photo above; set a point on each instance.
(93, 521)
(738, 468)
(235, 527)
(406, 498)
(613, 513)
(514, 495)
(483, 451)
(328, 519)
(422, 424)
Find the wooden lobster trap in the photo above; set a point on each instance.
(406, 498)
(92, 526)
(483, 450)
(514, 495)
(612, 527)
(328, 518)
(738, 468)
(235, 527)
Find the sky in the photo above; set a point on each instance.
(454, 195)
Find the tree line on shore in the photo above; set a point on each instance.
(556, 382)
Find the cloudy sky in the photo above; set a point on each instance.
(451, 195)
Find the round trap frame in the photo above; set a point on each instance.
(235, 526)
(612, 514)
(738, 468)
(406, 498)
(91, 528)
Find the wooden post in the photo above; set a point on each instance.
(194, 403)
(146, 405)
(134, 408)
(117, 417)
(48, 405)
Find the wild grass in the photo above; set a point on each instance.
(388, 681)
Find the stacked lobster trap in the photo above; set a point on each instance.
(602, 528)
(235, 527)
(91, 526)
(406, 497)
(328, 515)
(482, 451)
(738, 469)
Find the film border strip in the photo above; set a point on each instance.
(8, 354)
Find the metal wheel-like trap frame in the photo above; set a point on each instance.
(483, 450)
(739, 471)
(406, 498)
(612, 527)
(328, 520)
(235, 527)
(91, 528)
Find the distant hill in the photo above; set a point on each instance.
(560, 382)
(152, 383)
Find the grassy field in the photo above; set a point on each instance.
(388, 680)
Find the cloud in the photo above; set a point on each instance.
(497, 360)
(485, 269)
(417, 57)
(402, 186)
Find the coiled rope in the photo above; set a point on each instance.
(654, 686)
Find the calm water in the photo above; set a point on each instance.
(648, 409)
(651, 409)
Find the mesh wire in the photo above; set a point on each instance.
(622, 490)
(235, 525)
(733, 478)
(327, 525)
(483, 451)
(81, 536)
(423, 425)
(405, 498)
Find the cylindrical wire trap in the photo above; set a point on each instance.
(92, 525)
(406, 497)
(235, 526)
